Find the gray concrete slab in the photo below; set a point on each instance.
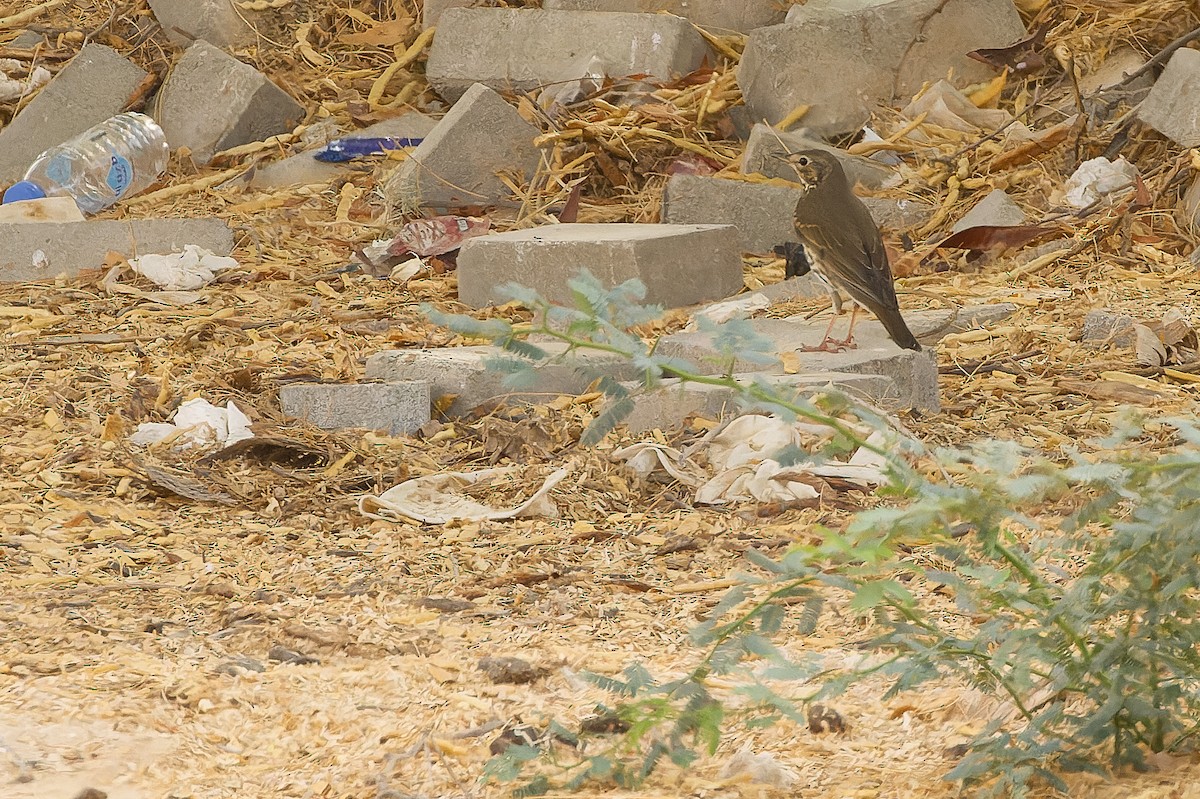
(397, 407)
(679, 264)
(41, 251)
(521, 50)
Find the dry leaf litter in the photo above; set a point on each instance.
(215, 622)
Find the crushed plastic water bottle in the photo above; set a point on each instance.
(119, 157)
(352, 147)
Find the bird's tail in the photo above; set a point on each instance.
(896, 328)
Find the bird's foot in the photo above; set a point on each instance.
(832, 345)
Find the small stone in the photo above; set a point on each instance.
(510, 670)
(1105, 327)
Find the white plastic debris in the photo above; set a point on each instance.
(197, 423)
(947, 107)
(739, 308)
(402, 273)
(193, 268)
(761, 768)
(14, 88)
(739, 466)
(1097, 178)
(439, 498)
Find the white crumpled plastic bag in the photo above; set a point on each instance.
(14, 88)
(1097, 178)
(740, 468)
(197, 423)
(435, 498)
(191, 269)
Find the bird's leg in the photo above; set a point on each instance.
(848, 341)
(829, 344)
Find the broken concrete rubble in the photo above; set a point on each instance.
(458, 162)
(214, 21)
(844, 58)
(42, 251)
(1170, 108)
(251, 107)
(718, 15)
(398, 407)
(766, 145)
(95, 85)
(523, 50)
(679, 264)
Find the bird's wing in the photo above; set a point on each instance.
(857, 259)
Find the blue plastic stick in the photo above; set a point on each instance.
(350, 148)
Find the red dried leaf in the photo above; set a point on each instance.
(982, 238)
(570, 210)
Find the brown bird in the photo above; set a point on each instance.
(844, 248)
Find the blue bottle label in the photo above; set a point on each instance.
(120, 174)
(58, 170)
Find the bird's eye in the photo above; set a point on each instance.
(803, 160)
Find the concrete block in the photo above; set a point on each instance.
(766, 144)
(1105, 327)
(845, 57)
(1171, 107)
(995, 209)
(464, 373)
(211, 101)
(431, 10)
(914, 373)
(458, 162)
(41, 251)
(303, 169)
(94, 86)
(670, 405)
(399, 407)
(679, 264)
(523, 50)
(763, 213)
(717, 15)
(214, 21)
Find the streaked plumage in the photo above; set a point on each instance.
(843, 244)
